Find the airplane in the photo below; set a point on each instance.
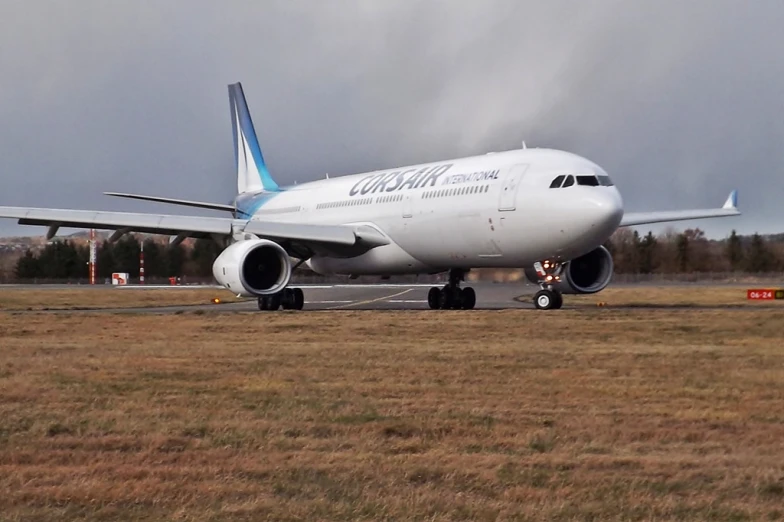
(546, 211)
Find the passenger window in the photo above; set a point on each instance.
(588, 181)
(557, 181)
(569, 181)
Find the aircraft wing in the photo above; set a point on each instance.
(174, 201)
(730, 208)
(298, 239)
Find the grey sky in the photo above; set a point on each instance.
(679, 101)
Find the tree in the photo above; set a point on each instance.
(647, 254)
(27, 267)
(61, 260)
(126, 256)
(153, 259)
(104, 258)
(760, 258)
(203, 256)
(682, 252)
(734, 250)
(174, 258)
(624, 251)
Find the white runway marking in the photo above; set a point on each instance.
(384, 285)
(164, 287)
(371, 301)
(327, 302)
(407, 301)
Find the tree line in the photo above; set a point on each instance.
(669, 253)
(691, 252)
(65, 259)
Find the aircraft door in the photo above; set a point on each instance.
(510, 186)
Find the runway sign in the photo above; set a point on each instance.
(764, 294)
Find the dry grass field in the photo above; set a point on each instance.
(590, 414)
(30, 298)
(680, 296)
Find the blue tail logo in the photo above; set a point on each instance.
(252, 172)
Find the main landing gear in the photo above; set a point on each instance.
(452, 296)
(288, 299)
(548, 298)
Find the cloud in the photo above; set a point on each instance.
(680, 102)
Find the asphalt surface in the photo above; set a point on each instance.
(489, 296)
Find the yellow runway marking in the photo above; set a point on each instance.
(370, 301)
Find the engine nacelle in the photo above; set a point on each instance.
(253, 267)
(587, 274)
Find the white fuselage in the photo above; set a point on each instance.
(495, 210)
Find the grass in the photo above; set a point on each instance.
(30, 298)
(672, 296)
(597, 414)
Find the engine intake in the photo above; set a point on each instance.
(253, 267)
(588, 273)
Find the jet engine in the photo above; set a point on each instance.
(253, 267)
(587, 274)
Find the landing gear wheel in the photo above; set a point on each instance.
(263, 303)
(292, 298)
(274, 301)
(444, 299)
(467, 298)
(545, 299)
(434, 298)
(297, 299)
(558, 300)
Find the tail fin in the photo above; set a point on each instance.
(252, 172)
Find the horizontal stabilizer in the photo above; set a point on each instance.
(173, 201)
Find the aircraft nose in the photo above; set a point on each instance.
(603, 210)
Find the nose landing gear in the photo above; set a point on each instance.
(548, 299)
(452, 296)
(549, 273)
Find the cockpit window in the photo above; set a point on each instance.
(557, 181)
(605, 181)
(569, 181)
(588, 181)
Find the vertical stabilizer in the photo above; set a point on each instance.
(252, 172)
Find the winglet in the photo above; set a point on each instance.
(732, 201)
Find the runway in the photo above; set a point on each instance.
(489, 296)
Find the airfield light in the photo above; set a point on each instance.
(215, 300)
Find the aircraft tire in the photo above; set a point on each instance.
(544, 299)
(444, 299)
(274, 301)
(467, 298)
(434, 298)
(263, 303)
(558, 300)
(298, 298)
